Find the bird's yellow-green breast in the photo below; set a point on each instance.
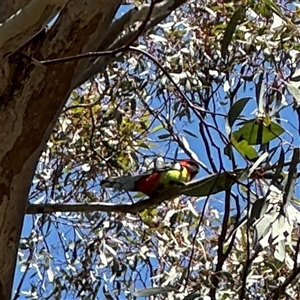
(173, 176)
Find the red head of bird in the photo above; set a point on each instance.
(191, 165)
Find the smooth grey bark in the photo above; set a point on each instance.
(10, 7)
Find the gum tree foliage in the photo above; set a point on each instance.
(216, 81)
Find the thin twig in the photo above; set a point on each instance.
(109, 52)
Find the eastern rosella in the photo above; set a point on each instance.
(157, 179)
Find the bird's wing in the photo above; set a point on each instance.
(129, 182)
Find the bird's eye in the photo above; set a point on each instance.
(195, 168)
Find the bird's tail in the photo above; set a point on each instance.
(122, 183)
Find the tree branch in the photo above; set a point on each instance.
(160, 12)
(134, 15)
(22, 27)
(10, 7)
(105, 207)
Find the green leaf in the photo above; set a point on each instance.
(277, 176)
(280, 253)
(212, 185)
(229, 151)
(164, 136)
(236, 110)
(258, 210)
(144, 145)
(190, 133)
(258, 162)
(264, 10)
(263, 227)
(260, 93)
(193, 296)
(276, 10)
(158, 128)
(244, 149)
(294, 91)
(230, 29)
(296, 76)
(78, 110)
(292, 177)
(258, 131)
(133, 106)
